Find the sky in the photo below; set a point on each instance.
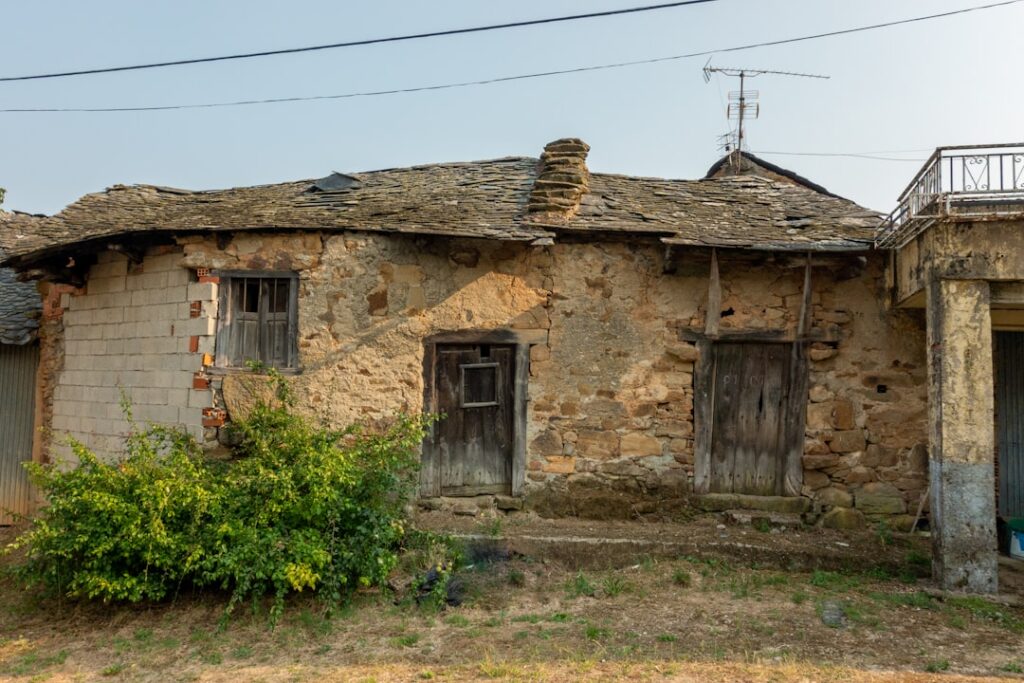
(946, 81)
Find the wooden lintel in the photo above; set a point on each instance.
(501, 336)
(714, 309)
(828, 335)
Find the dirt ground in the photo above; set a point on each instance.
(684, 618)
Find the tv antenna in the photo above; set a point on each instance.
(743, 103)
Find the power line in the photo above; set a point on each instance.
(842, 154)
(357, 43)
(504, 79)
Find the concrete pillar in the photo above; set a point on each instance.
(961, 412)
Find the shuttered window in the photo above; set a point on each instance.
(258, 320)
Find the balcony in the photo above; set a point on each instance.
(966, 182)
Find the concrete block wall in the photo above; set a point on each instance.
(143, 330)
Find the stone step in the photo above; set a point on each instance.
(758, 518)
(720, 502)
(586, 552)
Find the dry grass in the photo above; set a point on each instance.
(531, 621)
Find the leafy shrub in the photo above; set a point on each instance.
(302, 507)
(127, 531)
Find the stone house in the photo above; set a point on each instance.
(602, 345)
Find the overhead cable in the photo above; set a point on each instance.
(503, 79)
(355, 43)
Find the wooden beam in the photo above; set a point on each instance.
(519, 395)
(714, 310)
(430, 466)
(804, 323)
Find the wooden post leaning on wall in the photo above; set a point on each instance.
(793, 470)
(714, 310)
(804, 324)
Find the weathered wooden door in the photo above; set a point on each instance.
(17, 414)
(754, 436)
(474, 385)
(1009, 381)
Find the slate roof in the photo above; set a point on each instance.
(730, 212)
(755, 165)
(20, 307)
(485, 199)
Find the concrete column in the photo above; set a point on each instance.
(961, 412)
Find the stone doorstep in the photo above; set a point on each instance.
(784, 520)
(585, 552)
(720, 502)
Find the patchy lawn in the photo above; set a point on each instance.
(522, 619)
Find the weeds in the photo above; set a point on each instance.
(526, 618)
(980, 608)
(613, 586)
(580, 586)
(112, 670)
(834, 581)
(457, 620)
(884, 533)
(516, 578)
(937, 666)
(681, 577)
(408, 640)
(491, 527)
(34, 662)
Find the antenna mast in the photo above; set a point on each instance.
(744, 104)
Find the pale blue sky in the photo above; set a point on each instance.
(946, 81)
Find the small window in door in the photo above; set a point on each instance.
(258, 320)
(479, 385)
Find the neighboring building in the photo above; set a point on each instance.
(602, 345)
(19, 357)
(957, 247)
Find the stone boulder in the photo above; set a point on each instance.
(880, 498)
(243, 392)
(847, 519)
(848, 441)
(834, 497)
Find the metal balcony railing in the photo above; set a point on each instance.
(955, 179)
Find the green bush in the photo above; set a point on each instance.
(301, 507)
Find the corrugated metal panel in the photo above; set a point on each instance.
(17, 415)
(1009, 364)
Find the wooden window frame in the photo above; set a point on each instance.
(226, 311)
(462, 384)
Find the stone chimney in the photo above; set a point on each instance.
(561, 182)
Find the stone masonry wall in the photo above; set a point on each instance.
(133, 329)
(610, 412)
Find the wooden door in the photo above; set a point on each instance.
(474, 442)
(1009, 396)
(757, 420)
